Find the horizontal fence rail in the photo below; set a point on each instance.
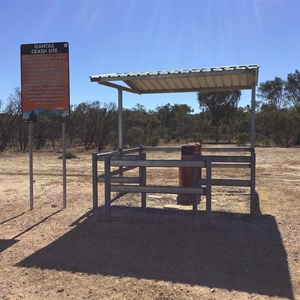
(157, 189)
(204, 149)
(159, 163)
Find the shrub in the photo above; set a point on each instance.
(135, 137)
(69, 155)
(264, 141)
(242, 139)
(153, 141)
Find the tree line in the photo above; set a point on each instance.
(94, 125)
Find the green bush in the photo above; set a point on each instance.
(135, 137)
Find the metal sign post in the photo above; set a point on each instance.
(64, 165)
(30, 166)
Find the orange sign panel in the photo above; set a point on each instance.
(45, 82)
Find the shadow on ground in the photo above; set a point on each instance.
(232, 251)
(5, 244)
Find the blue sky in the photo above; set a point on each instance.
(135, 36)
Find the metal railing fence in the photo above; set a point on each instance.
(127, 159)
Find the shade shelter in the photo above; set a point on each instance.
(243, 77)
(193, 80)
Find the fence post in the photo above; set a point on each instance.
(107, 187)
(143, 176)
(195, 180)
(121, 167)
(252, 180)
(208, 185)
(95, 180)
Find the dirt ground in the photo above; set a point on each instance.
(165, 253)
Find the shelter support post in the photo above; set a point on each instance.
(253, 102)
(120, 118)
(253, 200)
(253, 159)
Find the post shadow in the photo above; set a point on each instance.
(12, 218)
(235, 252)
(256, 205)
(4, 244)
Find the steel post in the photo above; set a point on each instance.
(95, 180)
(253, 104)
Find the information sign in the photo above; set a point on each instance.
(45, 82)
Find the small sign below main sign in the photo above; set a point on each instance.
(45, 82)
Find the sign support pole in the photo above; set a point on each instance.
(30, 165)
(64, 165)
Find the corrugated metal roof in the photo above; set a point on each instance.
(192, 80)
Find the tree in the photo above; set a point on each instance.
(220, 105)
(272, 92)
(147, 123)
(181, 124)
(292, 88)
(10, 119)
(281, 108)
(281, 126)
(176, 121)
(93, 123)
(165, 115)
(108, 126)
(40, 135)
